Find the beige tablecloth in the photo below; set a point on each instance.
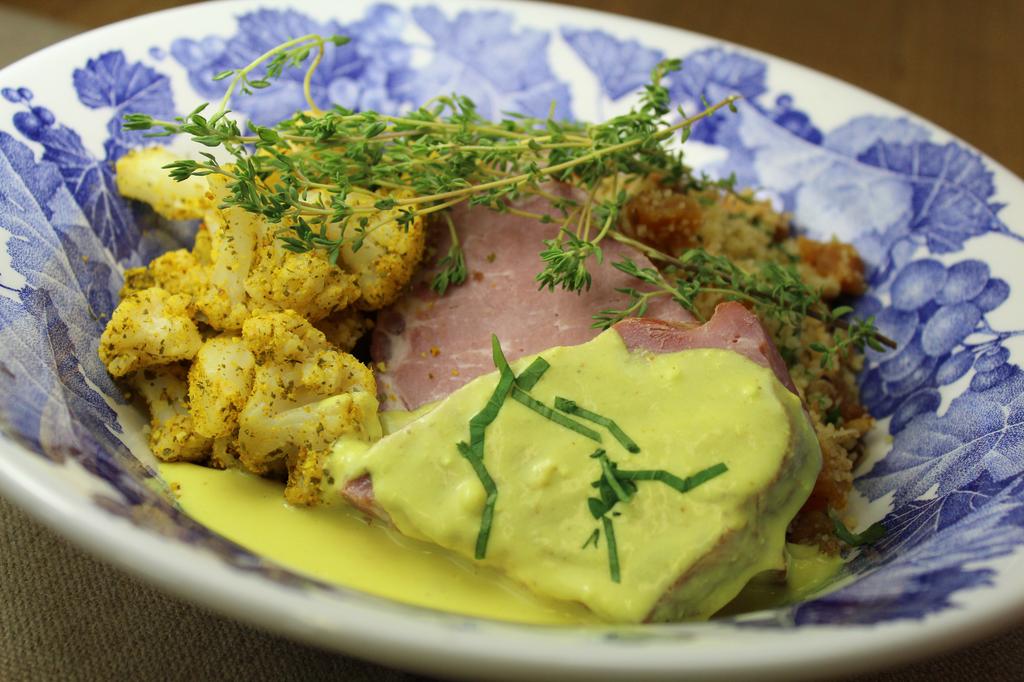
(64, 615)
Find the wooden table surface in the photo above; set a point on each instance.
(956, 63)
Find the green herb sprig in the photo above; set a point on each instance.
(452, 268)
(868, 536)
(304, 173)
(775, 292)
(440, 155)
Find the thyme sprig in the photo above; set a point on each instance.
(303, 172)
(775, 292)
(452, 268)
(333, 177)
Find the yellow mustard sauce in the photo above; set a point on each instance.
(809, 571)
(339, 545)
(688, 411)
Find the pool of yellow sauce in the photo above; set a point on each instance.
(340, 546)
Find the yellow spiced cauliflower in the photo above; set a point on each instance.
(141, 175)
(304, 282)
(172, 436)
(305, 395)
(238, 346)
(149, 327)
(345, 328)
(219, 384)
(233, 236)
(387, 258)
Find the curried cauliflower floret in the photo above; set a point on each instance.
(141, 175)
(304, 282)
(305, 474)
(149, 327)
(201, 249)
(305, 394)
(344, 328)
(135, 280)
(233, 237)
(179, 272)
(172, 437)
(219, 383)
(388, 257)
(224, 454)
(250, 270)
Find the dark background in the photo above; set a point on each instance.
(64, 615)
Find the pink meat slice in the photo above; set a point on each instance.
(359, 493)
(732, 327)
(431, 345)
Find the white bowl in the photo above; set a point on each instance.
(938, 223)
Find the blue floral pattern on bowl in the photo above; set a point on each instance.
(951, 397)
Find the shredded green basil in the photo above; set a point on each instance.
(570, 407)
(532, 374)
(593, 539)
(598, 508)
(613, 481)
(613, 549)
(474, 451)
(487, 516)
(615, 485)
(521, 396)
(681, 484)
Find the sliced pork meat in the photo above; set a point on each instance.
(429, 345)
(725, 559)
(732, 327)
(359, 493)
